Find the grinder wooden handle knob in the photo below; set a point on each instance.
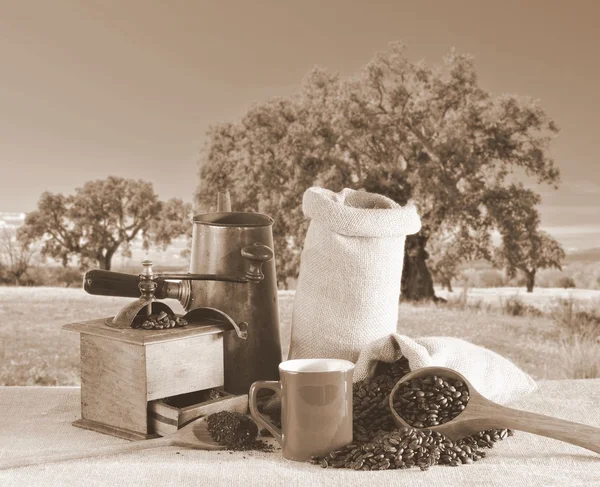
(108, 283)
(256, 254)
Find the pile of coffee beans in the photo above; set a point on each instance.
(379, 444)
(159, 322)
(408, 447)
(235, 431)
(399, 449)
(430, 400)
(370, 402)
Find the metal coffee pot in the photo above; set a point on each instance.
(231, 282)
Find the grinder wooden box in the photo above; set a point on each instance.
(123, 370)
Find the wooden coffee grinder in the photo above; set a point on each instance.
(147, 371)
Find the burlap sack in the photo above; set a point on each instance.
(351, 265)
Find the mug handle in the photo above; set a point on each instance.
(256, 415)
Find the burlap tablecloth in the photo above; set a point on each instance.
(38, 420)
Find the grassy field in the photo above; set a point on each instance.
(35, 351)
(542, 298)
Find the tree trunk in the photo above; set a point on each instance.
(417, 284)
(448, 284)
(530, 275)
(104, 262)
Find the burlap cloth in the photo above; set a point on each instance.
(36, 419)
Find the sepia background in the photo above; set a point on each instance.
(149, 108)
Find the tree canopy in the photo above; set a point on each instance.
(399, 128)
(102, 217)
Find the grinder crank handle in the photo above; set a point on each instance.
(109, 283)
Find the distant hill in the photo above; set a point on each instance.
(583, 256)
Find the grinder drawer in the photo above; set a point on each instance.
(167, 415)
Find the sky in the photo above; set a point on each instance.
(129, 87)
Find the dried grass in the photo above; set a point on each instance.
(580, 357)
(577, 318)
(35, 351)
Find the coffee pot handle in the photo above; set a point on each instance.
(260, 418)
(256, 254)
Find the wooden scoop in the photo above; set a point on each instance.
(194, 435)
(482, 414)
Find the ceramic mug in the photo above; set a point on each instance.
(316, 406)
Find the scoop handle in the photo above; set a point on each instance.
(89, 453)
(578, 434)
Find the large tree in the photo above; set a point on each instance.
(524, 246)
(402, 129)
(102, 217)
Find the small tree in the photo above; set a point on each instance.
(524, 246)
(102, 217)
(536, 251)
(566, 282)
(16, 256)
